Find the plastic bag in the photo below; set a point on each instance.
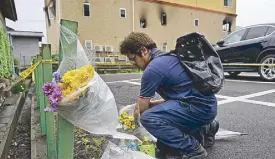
(92, 106)
(113, 151)
(224, 134)
(126, 116)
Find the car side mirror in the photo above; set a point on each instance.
(220, 43)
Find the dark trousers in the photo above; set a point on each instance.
(173, 122)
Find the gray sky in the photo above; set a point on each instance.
(31, 15)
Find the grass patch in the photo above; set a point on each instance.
(87, 146)
(19, 87)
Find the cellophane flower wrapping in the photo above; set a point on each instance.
(113, 151)
(87, 102)
(129, 123)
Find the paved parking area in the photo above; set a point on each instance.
(246, 104)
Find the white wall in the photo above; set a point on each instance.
(25, 47)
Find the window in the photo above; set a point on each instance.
(163, 19)
(86, 9)
(270, 30)
(196, 22)
(51, 12)
(235, 37)
(226, 26)
(122, 12)
(164, 47)
(256, 32)
(228, 3)
(89, 44)
(143, 23)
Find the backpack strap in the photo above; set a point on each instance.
(159, 53)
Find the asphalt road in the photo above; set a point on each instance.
(246, 104)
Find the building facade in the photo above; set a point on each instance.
(25, 46)
(103, 24)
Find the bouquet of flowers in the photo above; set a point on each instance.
(77, 92)
(63, 89)
(130, 124)
(127, 122)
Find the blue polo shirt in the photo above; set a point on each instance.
(165, 72)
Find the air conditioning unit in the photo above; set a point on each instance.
(108, 49)
(98, 59)
(98, 48)
(89, 44)
(122, 58)
(109, 59)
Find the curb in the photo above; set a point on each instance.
(11, 125)
(33, 143)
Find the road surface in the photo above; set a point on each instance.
(246, 104)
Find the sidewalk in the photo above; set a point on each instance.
(9, 116)
(38, 140)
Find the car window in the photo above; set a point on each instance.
(270, 30)
(235, 37)
(256, 32)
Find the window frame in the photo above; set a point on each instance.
(120, 9)
(91, 43)
(50, 12)
(164, 47)
(89, 9)
(270, 32)
(244, 38)
(228, 6)
(195, 22)
(244, 34)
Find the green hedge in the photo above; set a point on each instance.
(5, 55)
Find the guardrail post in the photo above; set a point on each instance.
(40, 96)
(65, 128)
(50, 124)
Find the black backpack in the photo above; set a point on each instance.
(201, 62)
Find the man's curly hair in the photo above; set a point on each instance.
(134, 41)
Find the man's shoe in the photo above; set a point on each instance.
(199, 153)
(208, 133)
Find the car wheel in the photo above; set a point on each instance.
(233, 74)
(268, 72)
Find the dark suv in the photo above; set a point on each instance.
(252, 44)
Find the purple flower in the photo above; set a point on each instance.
(57, 77)
(50, 109)
(55, 97)
(48, 88)
(57, 91)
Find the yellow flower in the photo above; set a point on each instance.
(127, 120)
(127, 127)
(74, 79)
(131, 118)
(133, 126)
(124, 114)
(120, 119)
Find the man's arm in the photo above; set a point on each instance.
(142, 105)
(156, 102)
(150, 82)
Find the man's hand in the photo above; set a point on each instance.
(142, 105)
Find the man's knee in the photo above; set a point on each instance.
(148, 118)
(144, 118)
